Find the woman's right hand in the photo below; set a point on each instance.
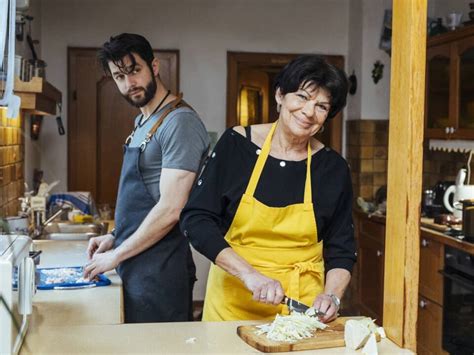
(264, 289)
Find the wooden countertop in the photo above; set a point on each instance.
(99, 305)
(428, 229)
(88, 321)
(169, 338)
(447, 240)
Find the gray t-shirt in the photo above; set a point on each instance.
(181, 142)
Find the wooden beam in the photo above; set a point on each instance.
(405, 161)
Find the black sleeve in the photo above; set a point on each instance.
(339, 242)
(202, 216)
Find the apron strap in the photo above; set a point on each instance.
(317, 269)
(262, 158)
(307, 187)
(178, 102)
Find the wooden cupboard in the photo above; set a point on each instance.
(449, 106)
(370, 265)
(368, 285)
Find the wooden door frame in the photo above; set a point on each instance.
(234, 59)
(70, 85)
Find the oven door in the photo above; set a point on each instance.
(458, 312)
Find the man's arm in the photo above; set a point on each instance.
(175, 186)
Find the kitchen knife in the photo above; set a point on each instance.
(295, 306)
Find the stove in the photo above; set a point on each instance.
(458, 308)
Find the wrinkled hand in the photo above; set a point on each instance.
(101, 263)
(100, 244)
(264, 289)
(324, 303)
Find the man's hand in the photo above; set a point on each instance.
(264, 289)
(101, 263)
(325, 303)
(100, 244)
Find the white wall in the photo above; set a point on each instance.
(375, 100)
(444, 7)
(202, 30)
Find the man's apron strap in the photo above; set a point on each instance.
(176, 103)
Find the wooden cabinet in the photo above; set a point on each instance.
(38, 96)
(370, 255)
(431, 261)
(429, 327)
(449, 107)
(430, 303)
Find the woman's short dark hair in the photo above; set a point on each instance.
(124, 45)
(314, 70)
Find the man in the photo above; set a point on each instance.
(162, 156)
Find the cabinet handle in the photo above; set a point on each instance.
(447, 130)
(424, 243)
(423, 304)
(379, 253)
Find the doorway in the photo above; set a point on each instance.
(251, 96)
(99, 121)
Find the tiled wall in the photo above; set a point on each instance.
(12, 150)
(439, 165)
(367, 154)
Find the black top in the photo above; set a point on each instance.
(214, 200)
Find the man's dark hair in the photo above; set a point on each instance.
(124, 45)
(313, 70)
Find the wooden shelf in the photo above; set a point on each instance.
(38, 97)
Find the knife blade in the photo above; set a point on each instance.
(295, 306)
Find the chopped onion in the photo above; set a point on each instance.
(291, 328)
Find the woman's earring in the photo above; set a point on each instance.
(278, 108)
(321, 130)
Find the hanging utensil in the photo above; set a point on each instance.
(61, 129)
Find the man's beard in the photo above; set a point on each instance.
(150, 91)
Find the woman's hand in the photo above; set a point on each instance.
(326, 304)
(264, 289)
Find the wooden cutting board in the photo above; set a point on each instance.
(331, 337)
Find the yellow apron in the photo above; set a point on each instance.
(280, 242)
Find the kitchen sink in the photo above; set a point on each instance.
(71, 231)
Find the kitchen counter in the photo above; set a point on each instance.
(427, 229)
(88, 321)
(447, 240)
(169, 338)
(99, 305)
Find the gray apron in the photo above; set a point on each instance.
(157, 283)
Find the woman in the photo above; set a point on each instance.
(272, 200)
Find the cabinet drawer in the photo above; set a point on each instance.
(373, 229)
(429, 329)
(431, 261)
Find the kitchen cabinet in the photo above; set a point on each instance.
(38, 97)
(429, 327)
(449, 107)
(430, 303)
(370, 264)
(431, 261)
